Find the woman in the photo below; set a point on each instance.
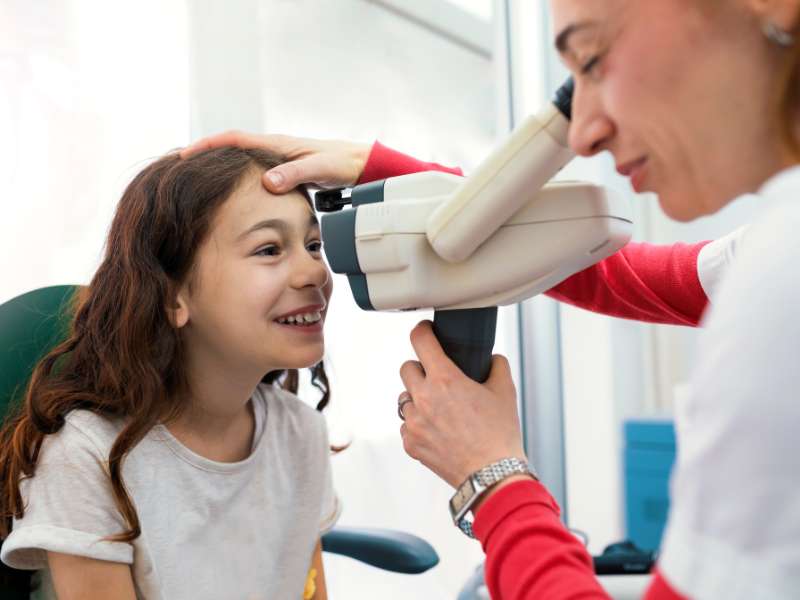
(697, 101)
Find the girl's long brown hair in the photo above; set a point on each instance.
(122, 357)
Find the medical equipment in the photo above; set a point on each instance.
(464, 246)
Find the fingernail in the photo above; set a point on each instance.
(275, 178)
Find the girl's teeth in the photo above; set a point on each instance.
(301, 319)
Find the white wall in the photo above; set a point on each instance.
(89, 90)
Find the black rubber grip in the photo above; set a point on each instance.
(467, 337)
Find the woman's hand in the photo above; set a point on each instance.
(326, 163)
(454, 425)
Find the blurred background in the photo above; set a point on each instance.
(92, 90)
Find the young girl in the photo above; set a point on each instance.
(156, 454)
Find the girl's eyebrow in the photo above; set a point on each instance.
(278, 224)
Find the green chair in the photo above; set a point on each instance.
(33, 323)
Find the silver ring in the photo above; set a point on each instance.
(405, 398)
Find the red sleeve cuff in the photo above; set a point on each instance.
(507, 501)
(660, 589)
(384, 162)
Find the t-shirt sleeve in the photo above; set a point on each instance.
(69, 506)
(331, 506)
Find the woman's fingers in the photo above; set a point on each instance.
(500, 379)
(326, 163)
(454, 425)
(316, 168)
(429, 350)
(413, 376)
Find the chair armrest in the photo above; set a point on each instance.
(383, 548)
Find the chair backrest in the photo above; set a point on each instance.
(30, 326)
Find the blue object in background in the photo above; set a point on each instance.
(649, 456)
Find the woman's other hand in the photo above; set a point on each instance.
(326, 163)
(454, 425)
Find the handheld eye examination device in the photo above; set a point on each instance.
(463, 246)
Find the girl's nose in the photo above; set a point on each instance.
(310, 271)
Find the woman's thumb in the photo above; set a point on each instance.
(286, 177)
(500, 374)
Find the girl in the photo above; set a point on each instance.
(157, 454)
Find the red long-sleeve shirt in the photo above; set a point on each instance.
(529, 552)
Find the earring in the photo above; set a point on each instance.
(778, 36)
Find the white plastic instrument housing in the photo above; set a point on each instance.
(559, 230)
(500, 185)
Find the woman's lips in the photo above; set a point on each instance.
(636, 171)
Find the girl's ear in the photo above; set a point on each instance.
(179, 311)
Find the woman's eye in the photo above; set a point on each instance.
(315, 246)
(271, 250)
(590, 65)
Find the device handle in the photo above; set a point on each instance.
(467, 337)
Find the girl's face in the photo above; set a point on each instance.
(679, 91)
(257, 296)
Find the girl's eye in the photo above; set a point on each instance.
(271, 250)
(315, 247)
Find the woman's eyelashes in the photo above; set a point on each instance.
(589, 66)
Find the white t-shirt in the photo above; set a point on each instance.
(734, 525)
(210, 530)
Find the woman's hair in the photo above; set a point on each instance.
(122, 357)
(789, 99)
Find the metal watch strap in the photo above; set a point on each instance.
(491, 474)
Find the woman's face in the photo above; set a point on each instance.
(259, 288)
(679, 91)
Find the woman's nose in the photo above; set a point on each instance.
(590, 130)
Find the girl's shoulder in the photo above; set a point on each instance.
(83, 442)
(89, 429)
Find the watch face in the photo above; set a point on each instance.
(463, 494)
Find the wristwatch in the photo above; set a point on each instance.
(476, 484)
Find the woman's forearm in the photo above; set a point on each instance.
(531, 554)
(644, 282)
